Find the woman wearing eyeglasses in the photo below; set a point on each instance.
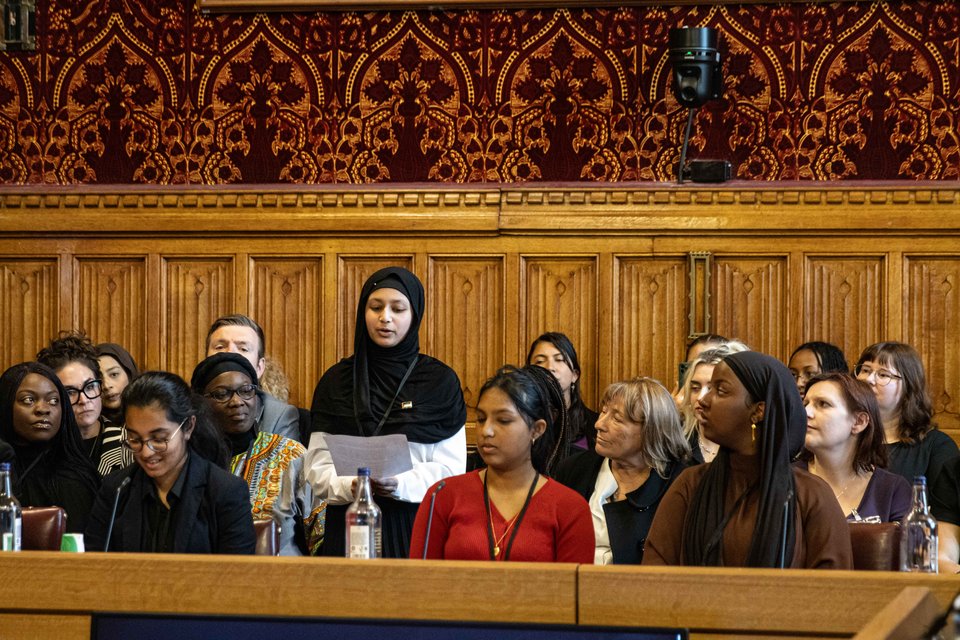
(270, 464)
(895, 373)
(74, 359)
(179, 498)
(50, 468)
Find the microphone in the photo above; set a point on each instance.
(113, 514)
(433, 502)
(783, 537)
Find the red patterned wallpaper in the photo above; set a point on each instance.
(155, 92)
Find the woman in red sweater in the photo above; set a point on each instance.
(509, 511)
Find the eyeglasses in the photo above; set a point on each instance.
(92, 389)
(881, 376)
(157, 445)
(244, 392)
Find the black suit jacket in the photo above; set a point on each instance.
(628, 521)
(213, 515)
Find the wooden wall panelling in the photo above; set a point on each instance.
(931, 315)
(110, 301)
(649, 309)
(29, 306)
(352, 272)
(514, 306)
(559, 293)
(154, 336)
(467, 318)
(844, 301)
(286, 298)
(749, 300)
(196, 291)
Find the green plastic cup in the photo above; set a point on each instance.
(72, 542)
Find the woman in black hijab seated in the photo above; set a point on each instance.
(49, 468)
(749, 507)
(387, 387)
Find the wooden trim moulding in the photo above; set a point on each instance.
(416, 209)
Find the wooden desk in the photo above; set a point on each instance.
(54, 595)
(730, 602)
(61, 591)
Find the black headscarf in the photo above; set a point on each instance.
(121, 355)
(353, 395)
(63, 475)
(218, 363)
(780, 436)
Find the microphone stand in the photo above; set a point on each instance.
(433, 501)
(783, 537)
(686, 141)
(113, 513)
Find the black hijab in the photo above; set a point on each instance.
(354, 394)
(121, 355)
(213, 366)
(207, 371)
(51, 473)
(780, 436)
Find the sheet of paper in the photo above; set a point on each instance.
(386, 456)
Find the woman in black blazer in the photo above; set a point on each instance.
(179, 498)
(640, 451)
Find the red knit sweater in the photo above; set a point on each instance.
(557, 526)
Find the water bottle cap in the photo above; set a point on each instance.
(5, 466)
(920, 480)
(363, 471)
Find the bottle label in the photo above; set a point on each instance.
(11, 541)
(359, 541)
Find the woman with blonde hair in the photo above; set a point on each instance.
(640, 450)
(696, 384)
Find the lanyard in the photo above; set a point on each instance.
(403, 381)
(516, 524)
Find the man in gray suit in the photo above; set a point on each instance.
(240, 334)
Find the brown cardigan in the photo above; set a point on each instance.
(823, 536)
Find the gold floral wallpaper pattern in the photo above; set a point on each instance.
(157, 92)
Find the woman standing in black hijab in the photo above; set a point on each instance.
(50, 468)
(749, 507)
(387, 387)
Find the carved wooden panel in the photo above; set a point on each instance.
(931, 315)
(844, 302)
(29, 307)
(353, 271)
(110, 302)
(195, 291)
(286, 298)
(466, 324)
(749, 301)
(560, 294)
(650, 317)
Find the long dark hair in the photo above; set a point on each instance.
(779, 436)
(916, 408)
(576, 412)
(537, 396)
(64, 450)
(871, 451)
(173, 395)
